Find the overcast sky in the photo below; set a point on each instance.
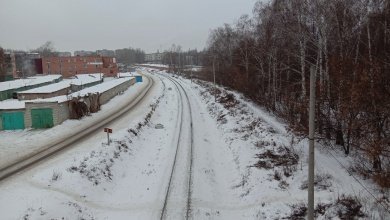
(111, 24)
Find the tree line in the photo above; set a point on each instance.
(130, 55)
(268, 57)
(178, 60)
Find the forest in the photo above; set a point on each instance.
(268, 57)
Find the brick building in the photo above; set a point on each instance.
(70, 66)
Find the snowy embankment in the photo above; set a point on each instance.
(245, 166)
(272, 164)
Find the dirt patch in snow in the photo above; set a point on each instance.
(344, 207)
(282, 157)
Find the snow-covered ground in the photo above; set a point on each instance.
(154, 65)
(245, 166)
(18, 144)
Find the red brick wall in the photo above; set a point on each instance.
(70, 66)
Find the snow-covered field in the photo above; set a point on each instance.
(245, 166)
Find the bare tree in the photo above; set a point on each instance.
(46, 50)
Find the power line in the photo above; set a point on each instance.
(356, 179)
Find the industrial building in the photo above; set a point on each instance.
(20, 65)
(71, 66)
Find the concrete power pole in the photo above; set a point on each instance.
(215, 88)
(311, 144)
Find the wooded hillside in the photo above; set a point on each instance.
(268, 57)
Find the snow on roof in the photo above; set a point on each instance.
(59, 99)
(100, 88)
(81, 79)
(49, 88)
(127, 74)
(11, 104)
(21, 104)
(34, 80)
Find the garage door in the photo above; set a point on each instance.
(42, 118)
(12, 120)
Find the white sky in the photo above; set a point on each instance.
(112, 24)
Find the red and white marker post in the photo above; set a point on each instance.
(108, 131)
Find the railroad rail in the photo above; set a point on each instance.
(182, 95)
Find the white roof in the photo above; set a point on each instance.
(100, 88)
(80, 79)
(34, 80)
(127, 74)
(83, 79)
(49, 88)
(12, 104)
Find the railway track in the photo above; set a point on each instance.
(188, 153)
(61, 145)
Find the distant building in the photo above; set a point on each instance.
(84, 53)
(9, 67)
(106, 53)
(64, 54)
(70, 66)
(20, 65)
(154, 57)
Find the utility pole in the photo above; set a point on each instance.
(215, 88)
(192, 66)
(179, 64)
(311, 144)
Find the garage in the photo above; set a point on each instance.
(42, 118)
(12, 120)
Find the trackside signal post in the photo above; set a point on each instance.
(108, 131)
